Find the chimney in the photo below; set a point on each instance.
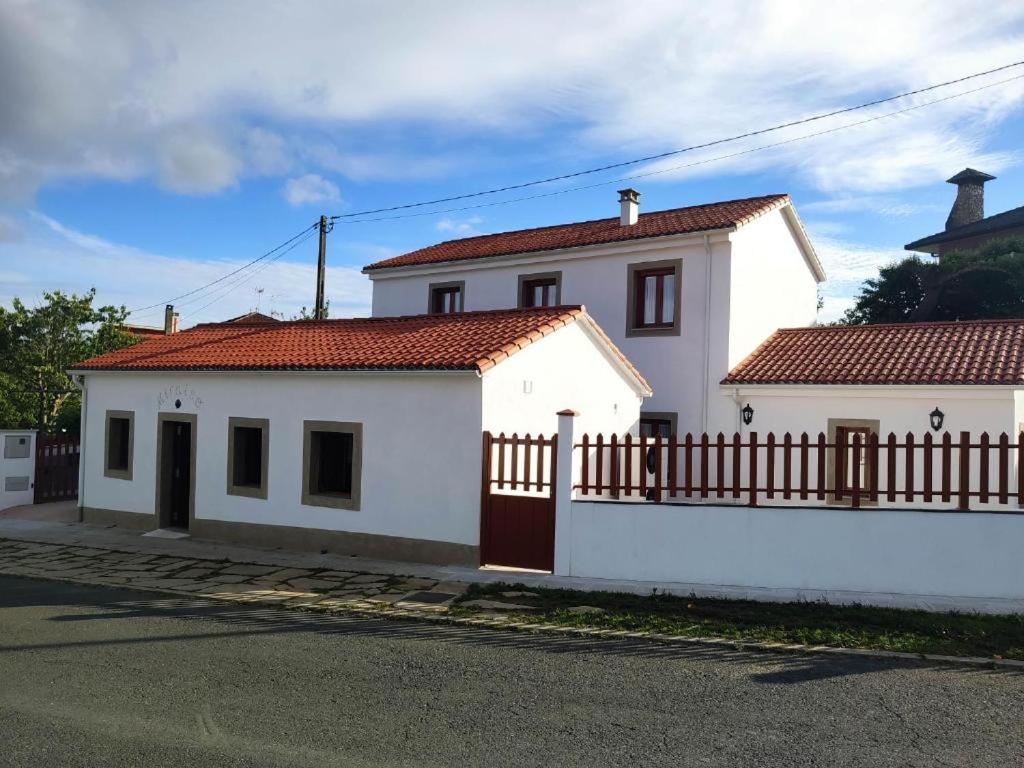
(629, 207)
(170, 320)
(969, 205)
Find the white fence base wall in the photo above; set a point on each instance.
(901, 558)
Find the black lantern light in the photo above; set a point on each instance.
(748, 414)
(936, 418)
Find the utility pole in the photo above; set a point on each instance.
(321, 267)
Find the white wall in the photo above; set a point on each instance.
(17, 468)
(899, 409)
(563, 370)
(674, 365)
(421, 447)
(884, 556)
(771, 285)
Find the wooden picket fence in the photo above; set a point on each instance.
(853, 472)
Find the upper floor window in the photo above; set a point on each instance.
(653, 298)
(446, 298)
(541, 290)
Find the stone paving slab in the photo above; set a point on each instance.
(295, 587)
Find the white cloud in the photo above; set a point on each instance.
(310, 189)
(848, 265)
(460, 227)
(10, 231)
(59, 257)
(197, 165)
(107, 90)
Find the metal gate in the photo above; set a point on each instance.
(56, 469)
(517, 520)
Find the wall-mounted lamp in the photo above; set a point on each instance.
(748, 414)
(936, 418)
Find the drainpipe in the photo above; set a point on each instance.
(79, 381)
(707, 333)
(737, 401)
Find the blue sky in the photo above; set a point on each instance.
(147, 149)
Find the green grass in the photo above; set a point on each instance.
(850, 626)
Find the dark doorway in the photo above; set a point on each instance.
(175, 492)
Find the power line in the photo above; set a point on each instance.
(229, 274)
(705, 161)
(246, 278)
(662, 155)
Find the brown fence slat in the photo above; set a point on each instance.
(627, 447)
(926, 469)
(599, 464)
(963, 489)
(769, 470)
(908, 469)
(872, 449)
(688, 469)
(514, 470)
(857, 457)
(642, 464)
(527, 460)
(984, 448)
(720, 465)
(947, 466)
(673, 462)
(753, 469)
(821, 459)
(704, 465)
(1004, 468)
(585, 467)
(614, 469)
(804, 459)
(737, 462)
(787, 466)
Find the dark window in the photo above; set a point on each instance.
(655, 295)
(119, 443)
(330, 465)
(248, 458)
(446, 300)
(655, 428)
(540, 292)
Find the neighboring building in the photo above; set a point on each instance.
(886, 378)
(685, 293)
(253, 317)
(142, 331)
(967, 226)
(359, 436)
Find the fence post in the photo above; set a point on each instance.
(566, 479)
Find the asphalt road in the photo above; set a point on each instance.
(103, 677)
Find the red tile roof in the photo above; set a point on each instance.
(976, 352)
(465, 341)
(678, 221)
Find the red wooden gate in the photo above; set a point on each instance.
(517, 520)
(56, 469)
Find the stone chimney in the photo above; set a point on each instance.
(969, 206)
(170, 320)
(629, 207)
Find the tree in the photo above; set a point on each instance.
(38, 345)
(984, 283)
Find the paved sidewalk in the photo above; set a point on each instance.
(202, 569)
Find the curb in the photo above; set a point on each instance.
(510, 624)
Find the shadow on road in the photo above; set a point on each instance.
(233, 620)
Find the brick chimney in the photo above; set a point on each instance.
(629, 207)
(969, 205)
(170, 320)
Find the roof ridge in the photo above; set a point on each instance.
(918, 324)
(388, 318)
(777, 195)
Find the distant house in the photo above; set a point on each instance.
(967, 225)
(362, 436)
(253, 317)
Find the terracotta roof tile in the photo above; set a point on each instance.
(976, 352)
(465, 341)
(678, 221)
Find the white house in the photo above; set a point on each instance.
(358, 436)
(686, 293)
